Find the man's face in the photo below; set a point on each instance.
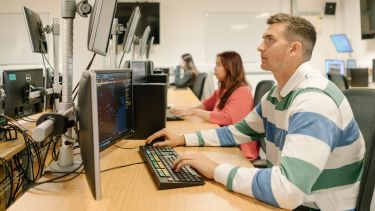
(275, 48)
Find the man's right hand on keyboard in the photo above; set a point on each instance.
(171, 139)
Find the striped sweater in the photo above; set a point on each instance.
(313, 146)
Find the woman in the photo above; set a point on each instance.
(189, 69)
(232, 101)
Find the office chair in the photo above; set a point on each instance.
(362, 101)
(261, 89)
(338, 79)
(197, 87)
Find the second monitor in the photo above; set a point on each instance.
(105, 114)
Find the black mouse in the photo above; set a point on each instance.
(159, 139)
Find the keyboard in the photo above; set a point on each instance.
(173, 117)
(160, 160)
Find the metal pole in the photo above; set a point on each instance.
(113, 55)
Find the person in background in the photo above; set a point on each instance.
(189, 72)
(314, 148)
(231, 102)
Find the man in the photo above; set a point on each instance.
(313, 144)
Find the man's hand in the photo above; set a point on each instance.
(197, 161)
(171, 139)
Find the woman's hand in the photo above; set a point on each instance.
(171, 139)
(182, 112)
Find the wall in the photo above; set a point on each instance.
(182, 30)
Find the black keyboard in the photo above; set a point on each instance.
(160, 161)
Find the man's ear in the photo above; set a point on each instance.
(296, 48)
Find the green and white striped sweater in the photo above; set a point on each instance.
(313, 146)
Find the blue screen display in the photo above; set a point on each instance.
(335, 66)
(341, 43)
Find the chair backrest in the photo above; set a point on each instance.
(362, 102)
(262, 88)
(197, 87)
(340, 80)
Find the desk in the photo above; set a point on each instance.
(132, 188)
(10, 148)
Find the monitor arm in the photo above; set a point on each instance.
(65, 162)
(115, 31)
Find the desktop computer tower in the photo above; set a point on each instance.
(149, 106)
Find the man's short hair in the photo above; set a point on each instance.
(297, 29)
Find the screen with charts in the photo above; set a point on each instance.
(335, 66)
(341, 43)
(114, 106)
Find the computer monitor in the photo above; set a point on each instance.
(359, 77)
(105, 114)
(131, 26)
(35, 28)
(143, 42)
(141, 69)
(100, 26)
(341, 43)
(149, 47)
(17, 86)
(335, 66)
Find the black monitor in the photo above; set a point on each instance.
(143, 42)
(359, 77)
(105, 115)
(150, 17)
(141, 69)
(35, 28)
(149, 47)
(17, 86)
(131, 27)
(100, 25)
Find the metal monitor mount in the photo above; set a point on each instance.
(50, 124)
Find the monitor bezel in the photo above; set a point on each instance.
(100, 25)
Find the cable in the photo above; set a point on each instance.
(92, 59)
(53, 180)
(75, 91)
(123, 166)
(125, 147)
(122, 57)
(44, 56)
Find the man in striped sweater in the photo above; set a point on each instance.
(314, 147)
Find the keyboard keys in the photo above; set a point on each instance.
(160, 161)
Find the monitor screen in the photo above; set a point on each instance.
(341, 43)
(105, 115)
(17, 86)
(335, 66)
(150, 12)
(35, 28)
(100, 25)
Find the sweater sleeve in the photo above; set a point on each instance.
(185, 81)
(209, 103)
(313, 130)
